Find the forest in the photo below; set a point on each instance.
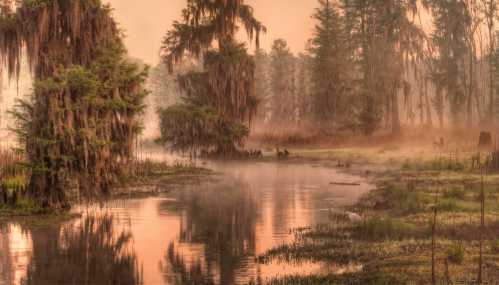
(369, 156)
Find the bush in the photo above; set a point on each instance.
(434, 165)
(495, 247)
(187, 127)
(383, 229)
(456, 193)
(448, 206)
(403, 201)
(455, 254)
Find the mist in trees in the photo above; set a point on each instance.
(369, 67)
(382, 66)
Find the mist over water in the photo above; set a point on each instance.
(210, 232)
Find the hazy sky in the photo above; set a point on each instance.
(146, 22)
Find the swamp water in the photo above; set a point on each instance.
(201, 234)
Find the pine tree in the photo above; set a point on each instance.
(282, 83)
(303, 88)
(262, 84)
(329, 65)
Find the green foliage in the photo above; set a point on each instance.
(189, 128)
(16, 182)
(383, 39)
(402, 201)
(453, 23)
(383, 229)
(367, 278)
(436, 164)
(331, 54)
(79, 125)
(217, 104)
(282, 84)
(455, 253)
(448, 205)
(455, 193)
(495, 246)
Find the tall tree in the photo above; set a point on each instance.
(282, 83)
(385, 38)
(303, 87)
(490, 11)
(208, 29)
(230, 72)
(330, 63)
(79, 126)
(451, 22)
(262, 84)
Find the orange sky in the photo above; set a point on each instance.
(146, 21)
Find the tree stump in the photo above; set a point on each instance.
(485, 141)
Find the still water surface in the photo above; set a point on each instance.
(202, 234)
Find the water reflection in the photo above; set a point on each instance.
(90, 251)
(178, 271)
(207, 234)
(223, 221)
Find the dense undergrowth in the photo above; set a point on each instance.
(14, 181)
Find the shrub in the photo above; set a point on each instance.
(456, 193)
(448, 206)
(403, 201)
(382, 229)
(495, 247)
(455, 254)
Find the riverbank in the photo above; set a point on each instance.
(149, 178)
(392, 242)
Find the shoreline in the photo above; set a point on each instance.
(392, 241)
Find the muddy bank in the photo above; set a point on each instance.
(148, 179)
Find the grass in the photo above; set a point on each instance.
(376, 278)
(25, 207)
(383, 229)
(455, 253)
(394, 238)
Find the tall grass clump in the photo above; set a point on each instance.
(383, 229)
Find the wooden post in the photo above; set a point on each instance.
(482, 226)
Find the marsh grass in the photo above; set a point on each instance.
(455, 253)
(394, 237)
(376, 229)
(367, 277)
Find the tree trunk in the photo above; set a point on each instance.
(429, 119)
(395, 112)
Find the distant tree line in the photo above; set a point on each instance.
(375, 65)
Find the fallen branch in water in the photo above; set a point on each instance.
(345, 184)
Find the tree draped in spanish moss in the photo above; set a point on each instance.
(79, 126)
(452, 22)
(385, 39)
(208, 29)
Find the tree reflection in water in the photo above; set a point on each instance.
(224, 222)
(90, 252)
